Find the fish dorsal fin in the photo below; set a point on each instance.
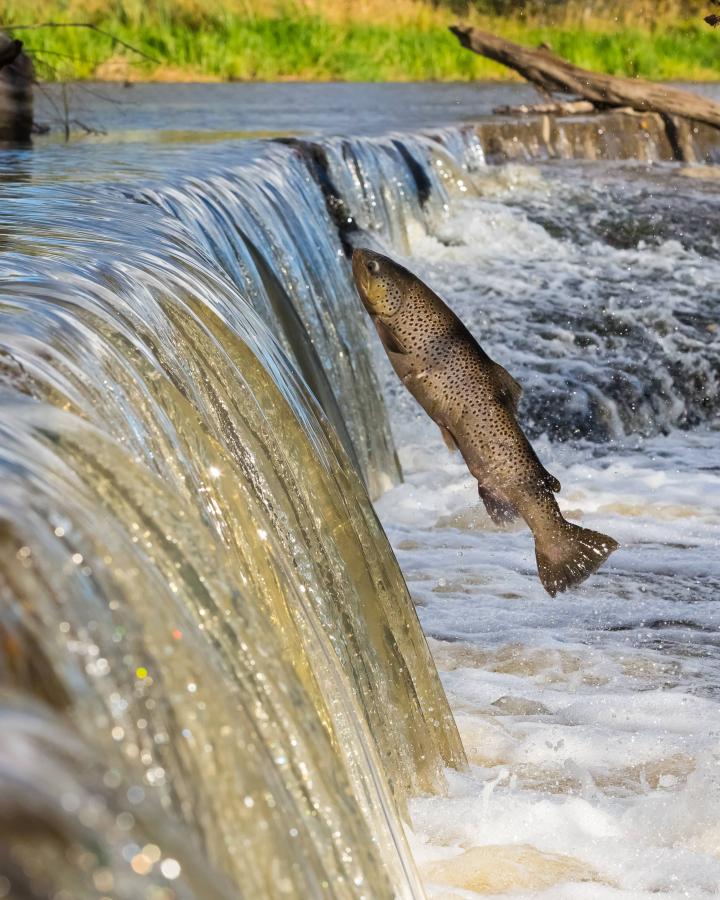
(390, 342)
(510, 390)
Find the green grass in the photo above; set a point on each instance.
(227, 46)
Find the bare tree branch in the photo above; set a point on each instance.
(83, 88)
(88, 25)
(35, 53)
(88, 129)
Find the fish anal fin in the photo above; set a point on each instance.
(509, 390)
(449, 439)
(391, 343)
(552, 482)
(500, 510)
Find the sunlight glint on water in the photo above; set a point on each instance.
(245, 537)
(192, 571)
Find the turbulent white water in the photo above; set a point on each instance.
(592, 721)
(212, 679)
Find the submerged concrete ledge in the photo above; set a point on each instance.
(611, 135)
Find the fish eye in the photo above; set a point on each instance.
(373, 266)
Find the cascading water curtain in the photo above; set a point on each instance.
(194, 586)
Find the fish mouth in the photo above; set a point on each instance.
(360, 272)
(360, 258)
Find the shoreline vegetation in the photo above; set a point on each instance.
(354, 40)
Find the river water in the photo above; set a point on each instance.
(162, 286)
(591, 722)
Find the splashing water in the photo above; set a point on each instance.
(253, 224)
(206, 645)
(590, 723)
(225, 613)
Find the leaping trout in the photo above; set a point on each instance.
(474, 401)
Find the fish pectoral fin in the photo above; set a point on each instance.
(500, 510)
(509, 390)
(391, 343)
(449, 438)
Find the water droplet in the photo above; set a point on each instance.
(136, 794)
(140, 864)
(153, 852)
(170, 868)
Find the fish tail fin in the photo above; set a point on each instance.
(567, 556)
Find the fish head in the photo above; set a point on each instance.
(380, 281)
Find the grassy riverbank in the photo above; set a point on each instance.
(352, 40)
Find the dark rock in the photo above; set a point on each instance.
(16, 98)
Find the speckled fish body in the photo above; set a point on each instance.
(474, 401)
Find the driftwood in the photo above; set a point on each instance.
(550, 73)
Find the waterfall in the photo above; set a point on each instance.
(192, 576)
(208, 654)
(656, 361)
(266, 225)
(67, 818)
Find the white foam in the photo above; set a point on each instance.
(597, 774)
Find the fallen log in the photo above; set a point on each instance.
(553, 74)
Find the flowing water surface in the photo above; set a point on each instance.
(214, 680)
(591, 722)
